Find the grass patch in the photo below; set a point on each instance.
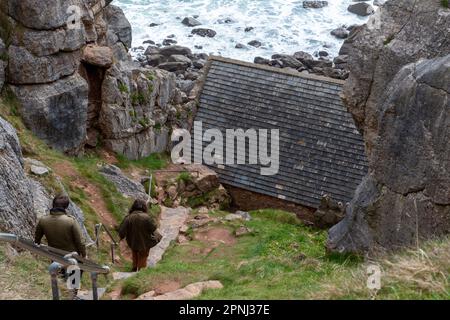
(138, 98)
(123, 88)
(185, 176)
(153, 162)
(445, 3)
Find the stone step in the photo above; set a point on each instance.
(172, 219)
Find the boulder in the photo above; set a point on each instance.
(340, 33)
(174, 50)
(361, 9)
(315, 4)
(288, 61)
(255, 43)
(406, 197)
(204, 32)
(56, 112)
(98, 56)
(180, 58)
(169, 42)
(191, 22)
(329, 213)
(303, 56)
(124, 185)
(261, 60)
(173, 66)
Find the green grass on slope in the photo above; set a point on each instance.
(152, 162)
(281, 260)
(23, 277)
(284, 260)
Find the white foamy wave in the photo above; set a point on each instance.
(283, 26)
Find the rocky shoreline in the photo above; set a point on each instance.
(187, 65)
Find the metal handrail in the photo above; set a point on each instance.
(54, 254)
(60, 260)
(114, 243)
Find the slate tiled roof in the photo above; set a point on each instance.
(321, 152)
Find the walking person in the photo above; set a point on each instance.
(140, 231)
(61, 231)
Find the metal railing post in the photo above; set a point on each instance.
(94, 286)
(54, 270)
(97, 234)
(113, 257)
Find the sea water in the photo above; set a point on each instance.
(282, 26)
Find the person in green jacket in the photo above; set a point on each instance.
(61, 230)
(140, 231)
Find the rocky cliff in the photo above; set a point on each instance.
(399, 94)
(68, 65)
(16, 198)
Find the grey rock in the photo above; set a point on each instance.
(172, 50)
(180, 58)
(16, 199)
(288, 61)
(174, 66)
(303, 56)
(255, 43)
(314, 4)
(260, 60)
(245, 215)
(25, 68)
(406, 197)
(340, 33)
(169, 42)
(40, 15)
(119, 24)
(191, 22)
(155, 59)
(2, 73)
(56, 112)
(204, 32)
(361, 9)
(124, 185)
(39, 171)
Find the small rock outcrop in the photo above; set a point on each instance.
(398, 92)
(329, 213)
(193, 186)
(187, 293)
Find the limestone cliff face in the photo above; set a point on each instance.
(68, 65)
(399, 94)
